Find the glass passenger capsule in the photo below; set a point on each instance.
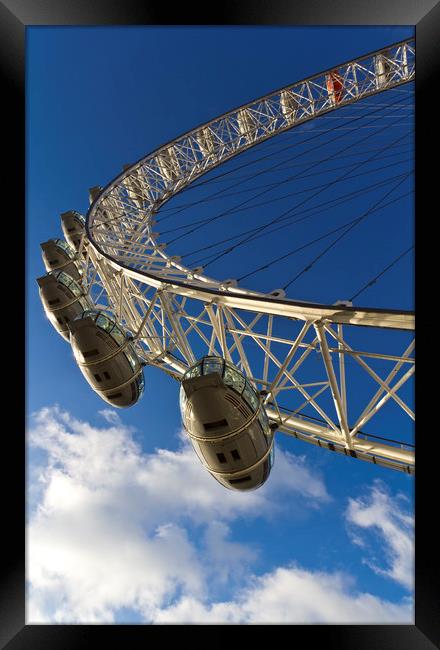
(384, 68)
(227, 424)
(94, 192)
(107, 358)
(57, 254)
(73, 225)
(335, 87)
(63, 299)
(289, 105)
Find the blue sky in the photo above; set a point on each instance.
(324, 529)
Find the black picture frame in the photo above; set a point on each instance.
(15, 16)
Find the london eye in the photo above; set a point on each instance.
(251, 362)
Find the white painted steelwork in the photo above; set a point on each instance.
(178, 315)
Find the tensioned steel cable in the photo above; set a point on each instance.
(222, 196)
(225, 213)
(180, 208)
(287, 134)
(312, 211)
(202, 222)
(271, 201)
(288, 219)
(379, 275)
(350, 228)
(296, 193)
(314, 241)
(235, 209)
(261, 228)
(271, 186)
(173, 210)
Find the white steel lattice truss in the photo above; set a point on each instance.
(178, 314)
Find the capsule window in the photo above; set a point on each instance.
(235, 455)
(97, 377)
(140, 384)
(104, 322)
(118, 335)
(221, 457)
(62, 244)
(131, 357)
(212, 365)
(234, 379)
(194, 372)
(114, 396)
(243, 479)
(250, 396)
(182, 400)
(90, 353)
(74, 288)
(63, 278)
(262, 418)
(106, 375)
(215, 425)
(54, 301)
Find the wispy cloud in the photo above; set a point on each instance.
(110, 416)
(388, 518)
(116, 528)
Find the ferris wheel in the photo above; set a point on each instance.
(249, 363)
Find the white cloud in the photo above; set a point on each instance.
(226, 562)
(292, 595)
(172, 483)
(118, 528)
(110, 416)
(383, 514)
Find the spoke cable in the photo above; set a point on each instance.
(319, 145)
(327, 234)
(338, 179)
(316, 187)
(278, 165)
(387, 268)
(338, 239)
(289, 219)
(252, 189)
(289, 132)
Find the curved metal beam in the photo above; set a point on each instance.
(120, 221)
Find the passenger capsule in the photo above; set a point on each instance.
(107, 358)
(63, 300)
(168, 164)
(289, 105)
(94, 192)
(205, 140)
(335, 87)
(73, 225)
(247, 124)
(133, 186)
(57, 254)
(384, 68)
(227, 424)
